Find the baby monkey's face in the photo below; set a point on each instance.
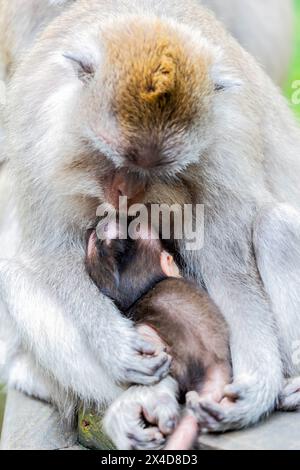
(125, 269)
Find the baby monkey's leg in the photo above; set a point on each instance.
(217, 377)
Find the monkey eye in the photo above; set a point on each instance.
(219, 87)
(224, 82)
(83, 68)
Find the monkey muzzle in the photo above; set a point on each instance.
(123, 184)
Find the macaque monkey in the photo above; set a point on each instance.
(144, 282)
(129, 97)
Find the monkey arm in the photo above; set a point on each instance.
(256, 357)
(75, 334)
(277, 249)
(256, 362)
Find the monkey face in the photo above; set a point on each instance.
(155, 113)
(106, 94)
(126, 269)
(123, 269)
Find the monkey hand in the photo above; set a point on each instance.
(146, 361)
(142, 417)
(240, 407)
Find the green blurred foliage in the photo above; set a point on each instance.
(295, 65)
(2, 396)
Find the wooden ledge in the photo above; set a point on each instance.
(33, 425)
(30, 424)
(279, 432)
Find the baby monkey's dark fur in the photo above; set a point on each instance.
(183, 315)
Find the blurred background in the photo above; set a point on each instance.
(295, 65)
(1, 405)
(288, 90)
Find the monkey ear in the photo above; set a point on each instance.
(168, 265)
(83, 67)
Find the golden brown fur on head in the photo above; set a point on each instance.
(159, 79)
(159, 87)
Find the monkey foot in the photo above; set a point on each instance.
(142, 417)
(239, 408)
(289, 399)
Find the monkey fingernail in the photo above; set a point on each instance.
(232, 393)
(170, 426)
(214, 413)
(145, 348)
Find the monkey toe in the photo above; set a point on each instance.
(213, 416)
(164, 413)
(207, 421)
(289, 399)
(217, 418)
(147, 439)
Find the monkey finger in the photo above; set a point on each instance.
(142, 346)
(151, 336)
(135, 377)
(150, 375)
(154, 365)
(236, 391)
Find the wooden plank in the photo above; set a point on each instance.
(31, 424)
(280, 432)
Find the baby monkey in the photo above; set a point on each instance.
(145, 283)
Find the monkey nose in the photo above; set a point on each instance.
(126, 185)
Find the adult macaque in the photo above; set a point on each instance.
(102, 105)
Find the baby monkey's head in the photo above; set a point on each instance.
(125, 269)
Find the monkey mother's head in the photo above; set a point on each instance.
(102, 93)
